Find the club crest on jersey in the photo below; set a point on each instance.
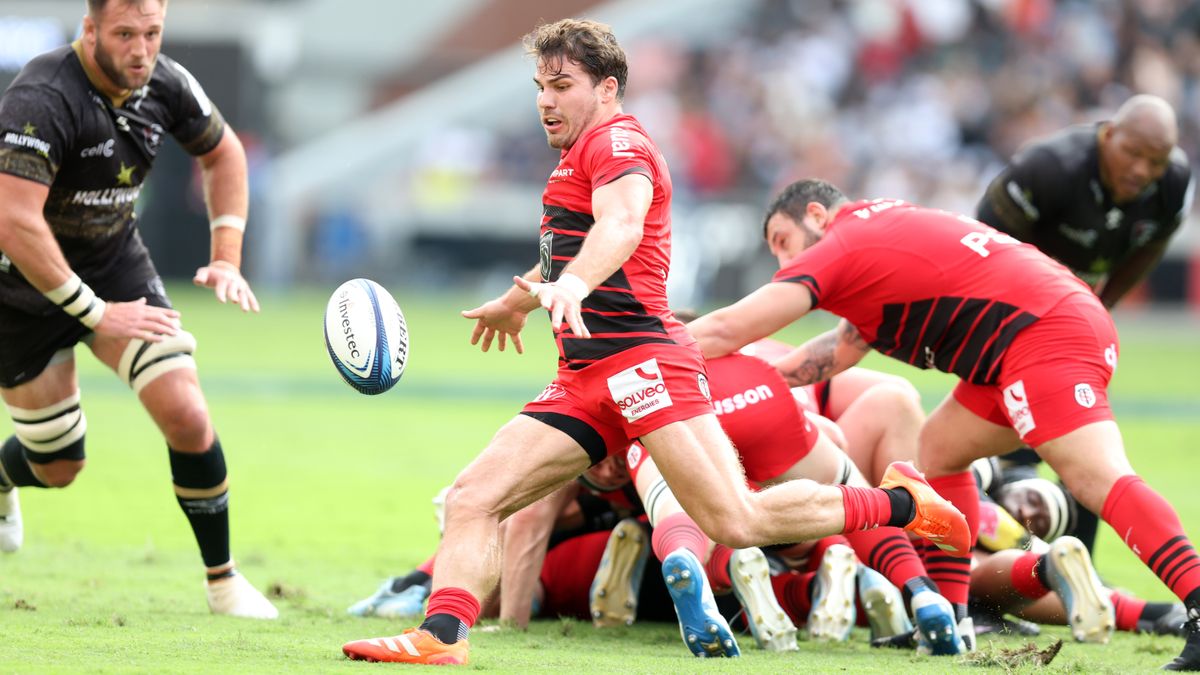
(639, 390)
(633, 456)
(1018, 408)
(545, 247)
(1084, 395)
(1143, 232)
(552, 392)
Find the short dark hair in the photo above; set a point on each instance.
(589, 43)
(795, 198)
(95, 7)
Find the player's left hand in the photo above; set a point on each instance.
(563, 303)
(228, 283)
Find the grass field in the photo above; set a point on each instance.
(330, 493)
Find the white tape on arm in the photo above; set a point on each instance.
(77, 299)
(574, 284)
(236, 222)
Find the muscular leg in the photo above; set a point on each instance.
(950, 440)
(881, 418)
(1091, 462)
(54, 385)
(524, 461)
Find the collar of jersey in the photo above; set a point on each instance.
(95, 78)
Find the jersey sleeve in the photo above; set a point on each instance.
(35, 130)
(618, 152)
(1181, 193)
(820, 268)
(198, 125)
(1024, 195)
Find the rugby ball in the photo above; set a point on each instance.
(366, 336)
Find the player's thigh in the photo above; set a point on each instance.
(824, 463)
(955, 435)
(56, 383)
(846, 387)
(525, 461)
(699, 463)
(1089, 460)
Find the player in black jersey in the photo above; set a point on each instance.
(1102, 199)
(80, 127)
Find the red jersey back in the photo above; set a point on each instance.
(630, 307)
(929, 287)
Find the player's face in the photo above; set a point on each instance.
(786, 238)
(1028, 507)
(1131, 161)
(610, 474)
(568, 103)
(126, 39)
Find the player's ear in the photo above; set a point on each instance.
(608, 89)
(818, 214)
(89, 27)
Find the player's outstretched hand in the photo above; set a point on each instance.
(495, 318)
(228, 283)
(137, 320)
(563, 302)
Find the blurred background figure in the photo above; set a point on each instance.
(373, 159)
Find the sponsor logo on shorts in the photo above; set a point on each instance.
(1084, 395)
(747, 398)
(633, 456)
(703, 382)
(552, 392)
(1018, 408)
(639, 390)
(1110, 356)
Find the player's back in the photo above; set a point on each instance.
(933, 288)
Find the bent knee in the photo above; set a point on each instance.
(58, 474)
(728, 527)
(186, 427)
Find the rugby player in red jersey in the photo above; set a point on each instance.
(627, 368)
(1034, 347)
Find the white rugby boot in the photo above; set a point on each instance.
(613, 596)
(833, 612)
(12, 532)
(1069, 572)
(234, 596)
(769, 624)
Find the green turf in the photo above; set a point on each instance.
(331, 493)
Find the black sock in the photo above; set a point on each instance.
(904, 509)
(913, 585)
(445, 628)
(413, 578)
(202, 492)
(1039, 571)
(15, 466)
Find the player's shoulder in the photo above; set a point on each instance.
(1067, 149)
(170, 75)
(1179, 169)
(51, 71)
(622, 135)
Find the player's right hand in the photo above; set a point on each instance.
(138, 320)
(495, 318)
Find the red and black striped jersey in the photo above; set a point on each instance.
(630, 307)
(928, 287)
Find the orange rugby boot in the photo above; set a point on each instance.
(412, 646)
(937, 519)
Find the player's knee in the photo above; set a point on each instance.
(469, 498)
(143, 362)
(59, 473)
(52, 439)
(728, 525)
(186, 426)
(901, 399)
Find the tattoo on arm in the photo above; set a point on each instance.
(849, 335)
(817, 362)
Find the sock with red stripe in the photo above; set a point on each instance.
(794, 592)
(889, 551)
(952, 574)
(1150, 527)
(717, 568)
(676, 531)
(450, 614)
(868, 508)
(1028, 576)
(1128, 609)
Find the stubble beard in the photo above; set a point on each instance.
(109, 67)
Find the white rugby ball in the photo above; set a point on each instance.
(366, 336)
